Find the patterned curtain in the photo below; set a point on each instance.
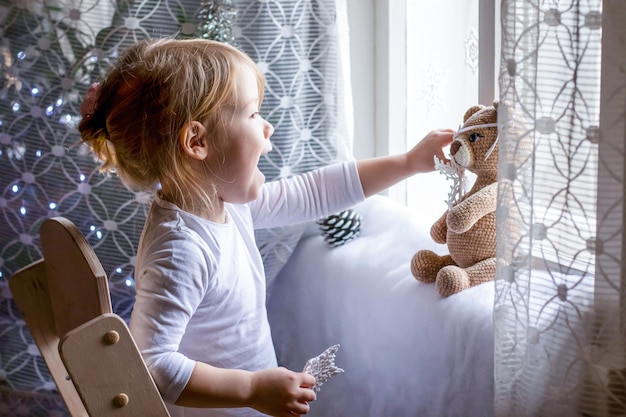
(51, 51)
(559, 313)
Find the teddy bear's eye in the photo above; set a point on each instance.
(474, 137)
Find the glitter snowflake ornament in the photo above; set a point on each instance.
(456, 174)
(323, 367)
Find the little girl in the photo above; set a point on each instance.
(182, 116)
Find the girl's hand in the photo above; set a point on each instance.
(282, 393)
(377, 174)
(421, 156)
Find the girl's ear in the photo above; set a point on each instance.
(194, 141)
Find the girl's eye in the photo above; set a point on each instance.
(474, 137)
(256, 114)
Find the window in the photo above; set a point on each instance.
(430, 63)
(423, 67)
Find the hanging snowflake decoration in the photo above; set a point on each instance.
(216, 20)
(456, 173)
(471, 51)
(323, 367)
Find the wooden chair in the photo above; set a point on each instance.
(92, 357)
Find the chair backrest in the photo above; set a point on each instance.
(65, 301)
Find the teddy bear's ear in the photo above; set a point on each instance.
(471, 111)
(495, 104)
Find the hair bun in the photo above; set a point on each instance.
(88, 106)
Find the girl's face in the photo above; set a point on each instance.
(238, 178)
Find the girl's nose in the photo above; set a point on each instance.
(269, 130)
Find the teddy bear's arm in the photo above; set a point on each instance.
(439, 229)
(465, 214)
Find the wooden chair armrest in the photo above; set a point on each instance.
(118, 379)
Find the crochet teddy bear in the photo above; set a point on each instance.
(468, 227)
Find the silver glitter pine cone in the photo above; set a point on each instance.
(339, 229)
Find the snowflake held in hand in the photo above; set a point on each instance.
(323, 367)
(456, 173)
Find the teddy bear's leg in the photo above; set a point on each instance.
(425, 265)
(453, 279)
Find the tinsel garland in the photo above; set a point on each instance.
(215, 20)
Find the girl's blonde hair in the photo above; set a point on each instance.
(155, 88)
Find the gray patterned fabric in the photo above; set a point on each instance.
(50, 52)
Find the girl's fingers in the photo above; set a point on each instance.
(301, 408)
(308, 395)
(307, 380)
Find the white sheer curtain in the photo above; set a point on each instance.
(559, 313)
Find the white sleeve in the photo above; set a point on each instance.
(308, 196)
(170, 286)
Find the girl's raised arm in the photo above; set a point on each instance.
(378, 174)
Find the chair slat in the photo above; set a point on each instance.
(29, 287)
(77, 283)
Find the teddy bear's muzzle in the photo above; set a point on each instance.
(460, 153)
(454, 147)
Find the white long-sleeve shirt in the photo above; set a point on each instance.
(201, 285)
